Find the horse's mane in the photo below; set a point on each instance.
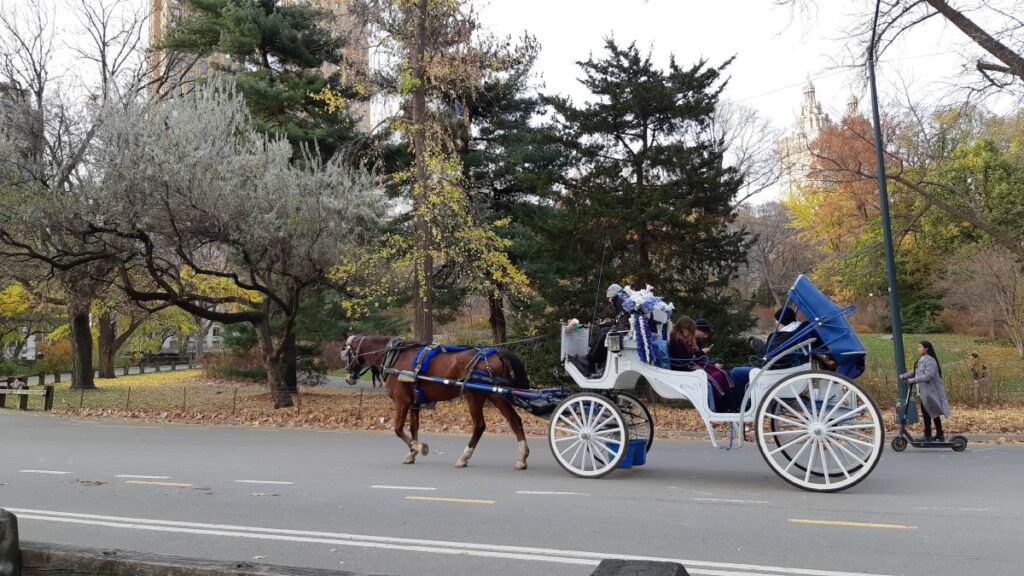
(519, 375)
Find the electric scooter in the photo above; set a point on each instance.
(958, 443)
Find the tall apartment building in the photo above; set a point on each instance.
(793, 150)
(166, 12)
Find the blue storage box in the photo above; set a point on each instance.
(636, 453)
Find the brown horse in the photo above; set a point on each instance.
(370, 352)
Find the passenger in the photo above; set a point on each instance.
(685, 355)
(786, 327)
(704, 335)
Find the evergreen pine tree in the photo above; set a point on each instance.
(276, 52)
(649, 182)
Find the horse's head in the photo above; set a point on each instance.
(355, 362)
(361, 353)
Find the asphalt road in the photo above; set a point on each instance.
(344, 500)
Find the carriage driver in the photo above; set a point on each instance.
(614, 318)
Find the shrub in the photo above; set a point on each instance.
(10, 368)
(923, 317)
(57, 357)
(236, 366)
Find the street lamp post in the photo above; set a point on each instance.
(883, 193)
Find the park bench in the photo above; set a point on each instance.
(23, 393)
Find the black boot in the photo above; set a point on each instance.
(939, 436)
(927, 432)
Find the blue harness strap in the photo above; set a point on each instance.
(421, 364)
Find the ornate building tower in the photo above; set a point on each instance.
(793, 150)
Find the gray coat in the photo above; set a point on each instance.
(930, 387)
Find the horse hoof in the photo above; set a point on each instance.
(423, 448)
(461, 464)
(520, 466)
(410, 458)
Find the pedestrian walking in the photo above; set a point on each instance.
(927, 375)
(979, 377)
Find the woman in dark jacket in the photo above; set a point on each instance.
(685, 355)
(927, 374)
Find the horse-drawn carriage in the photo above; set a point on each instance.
(813, 424)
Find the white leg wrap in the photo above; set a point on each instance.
(464, 459)
(524, 453)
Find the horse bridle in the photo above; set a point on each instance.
(353, 356)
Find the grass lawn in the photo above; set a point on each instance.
(1006, 369)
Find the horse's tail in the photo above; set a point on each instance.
(519, 377)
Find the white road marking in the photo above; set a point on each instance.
(698, 567)
(141, 477)
(730, 501)
(160, 483)
(546, 493)
(691, 490)
(952, 509)
(263, 482)
(383, 487)
(54, 472)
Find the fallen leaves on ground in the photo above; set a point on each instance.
(219, 402)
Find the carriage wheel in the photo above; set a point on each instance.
(588, 435)
(819, 431)
(781, 438)
(638, 418)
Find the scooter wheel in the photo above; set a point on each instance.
(899, 444)
(959, 443)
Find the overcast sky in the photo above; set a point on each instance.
(775, 53)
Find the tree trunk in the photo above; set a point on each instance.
(423, 300)
(274, 365)
(498, 325)
(291, 357)
(82, 376)
(278, 382)
(204, 329)
(108, 333)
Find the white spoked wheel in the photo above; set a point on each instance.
(638, 418)
(819, 431)
(588, 435)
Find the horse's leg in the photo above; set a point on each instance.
(476, 412)
(510, 414)
(401, 411)
(414, 431)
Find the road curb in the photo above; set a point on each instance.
(60, 560)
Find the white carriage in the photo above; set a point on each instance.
(813, 424)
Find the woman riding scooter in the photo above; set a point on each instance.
(927, 375)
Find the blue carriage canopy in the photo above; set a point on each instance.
(828, 324)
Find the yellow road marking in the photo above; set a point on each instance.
(852, 524)
(151, 483)
(457, 500)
